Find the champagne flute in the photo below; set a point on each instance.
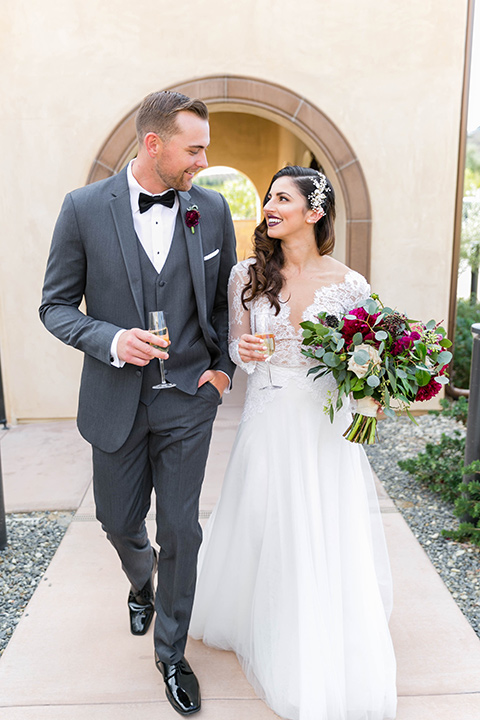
(157, 325)
(263, 328)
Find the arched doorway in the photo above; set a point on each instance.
(287, 110)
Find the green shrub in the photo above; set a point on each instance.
(467, 508)
(439, 467)
(457, 409)
(467, 314)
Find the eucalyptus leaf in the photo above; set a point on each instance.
(401, 373)
(357, 338)
(373, 381)
(331, 359)
(319, 352)
(444, 357)
(371, 307)
(390, 413)
(381, 335)
(430, 324)
(441, 379)
(361, 357)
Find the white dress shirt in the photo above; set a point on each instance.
(154, 229)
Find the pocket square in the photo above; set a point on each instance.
(211, 255)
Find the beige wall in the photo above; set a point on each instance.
(387, 74)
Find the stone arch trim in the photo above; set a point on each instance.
(299, 113)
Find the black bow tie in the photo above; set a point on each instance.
(145, 202)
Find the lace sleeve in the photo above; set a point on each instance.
(239, 318)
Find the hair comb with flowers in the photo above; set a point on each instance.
(317, 197)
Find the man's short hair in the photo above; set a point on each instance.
(158, 113)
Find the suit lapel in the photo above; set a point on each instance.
(122, 218)
(195, 257)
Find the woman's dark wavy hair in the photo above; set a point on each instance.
(265, 277)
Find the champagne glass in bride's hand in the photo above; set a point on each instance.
(263, 328)
(158, 326)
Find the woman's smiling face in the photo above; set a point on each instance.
(286, 212)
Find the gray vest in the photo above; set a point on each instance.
(171, 290)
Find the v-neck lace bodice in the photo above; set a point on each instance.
(287, 361)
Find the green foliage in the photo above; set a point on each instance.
(439, 467)
(472, 165)
(467, 507)
(470, 240)
(467, 314)
(237, 190)
(456, 409)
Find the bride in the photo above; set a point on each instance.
(293, 571)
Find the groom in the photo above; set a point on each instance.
(144, 240)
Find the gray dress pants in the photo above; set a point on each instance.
(166, 451)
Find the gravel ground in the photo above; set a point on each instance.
(32, 542)
(34, 537)
(458, 564)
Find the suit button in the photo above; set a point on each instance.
(138, 373)
(162, 283)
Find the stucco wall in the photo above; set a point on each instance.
(388, 74)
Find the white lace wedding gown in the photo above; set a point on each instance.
(293, 570)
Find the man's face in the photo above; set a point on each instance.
(184, 154)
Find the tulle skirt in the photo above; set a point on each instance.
(293, 570)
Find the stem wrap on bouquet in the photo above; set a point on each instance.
(363, 428)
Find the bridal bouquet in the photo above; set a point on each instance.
(379, 356)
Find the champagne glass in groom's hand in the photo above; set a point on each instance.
(157, 325)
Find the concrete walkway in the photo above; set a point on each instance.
(72, 656)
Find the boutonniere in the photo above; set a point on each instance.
(192, 216)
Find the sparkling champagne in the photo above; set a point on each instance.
(268, 342)
(161, 332)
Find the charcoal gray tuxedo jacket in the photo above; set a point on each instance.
(95, 255)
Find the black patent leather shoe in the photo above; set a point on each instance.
(141, 604)
(181, 686)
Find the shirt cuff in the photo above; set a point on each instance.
(229, 387)
(114, 359)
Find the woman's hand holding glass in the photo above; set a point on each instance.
(252, 349)
(261, 346)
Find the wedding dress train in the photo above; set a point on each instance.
(293, 570)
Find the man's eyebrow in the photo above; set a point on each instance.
(199, 147)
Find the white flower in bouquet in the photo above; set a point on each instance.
(372, 361)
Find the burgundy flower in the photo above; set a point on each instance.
(404, 342)
(362, 324)
(429, 391)
(192, 216)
